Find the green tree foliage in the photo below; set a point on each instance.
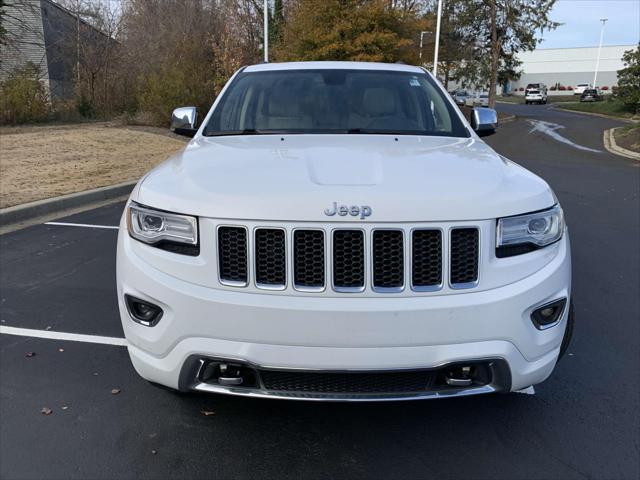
(360, 30)
(629, 80)
(495, 32)
(23, 98)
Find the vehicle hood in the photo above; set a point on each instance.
(297, 177)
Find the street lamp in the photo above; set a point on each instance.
(266, 31)
(422, 34)
(435, 54)
(595, 75)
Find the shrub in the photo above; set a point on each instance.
(23, 97)
(629, 80)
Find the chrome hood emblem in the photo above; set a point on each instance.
(363, 211)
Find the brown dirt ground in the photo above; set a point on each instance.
(38, 162)
(628, 137)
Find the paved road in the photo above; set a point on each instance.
(581, 423)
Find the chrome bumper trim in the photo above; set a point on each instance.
(258, 393)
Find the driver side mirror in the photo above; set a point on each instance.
(184, 121)
(484, 121)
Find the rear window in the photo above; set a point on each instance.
(334, 101)
(534, 92)
(590, 92)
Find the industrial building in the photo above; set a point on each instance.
(567, 67)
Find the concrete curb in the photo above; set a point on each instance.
(594, 114)
(55, 205)
(611, 145)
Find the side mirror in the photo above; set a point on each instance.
(184, 121)
(484, 121)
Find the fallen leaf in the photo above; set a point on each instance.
(207, 413)
(48, 327)
(64, 407)
(30, 354)
(46, 411)
(61, 349)
(154, 452)
(95, 374)
(115, 391)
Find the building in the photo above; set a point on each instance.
(568, 67)
(43, 33)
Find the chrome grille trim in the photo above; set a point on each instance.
(443, 249)
(325, 260)
(365, 250)
(469, 284)
(331, 284)
(227, 281)
(256, 266)
(372, 261)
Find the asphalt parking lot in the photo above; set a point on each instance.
(584, 422)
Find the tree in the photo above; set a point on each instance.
(361, 30)
(496, 31)
(629, 79)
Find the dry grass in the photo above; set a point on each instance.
(38, 162)
(628, 137)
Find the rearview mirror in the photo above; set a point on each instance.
(184, 121)
(484, 121)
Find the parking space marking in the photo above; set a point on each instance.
(72, 337)
(84, 225)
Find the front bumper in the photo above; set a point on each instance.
(336, 334)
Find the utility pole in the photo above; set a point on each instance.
(422, 34)
(435, 54)
(266, 31)
(78, 40)
(595, 75)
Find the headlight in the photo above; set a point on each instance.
(168, 231)
(524, 233)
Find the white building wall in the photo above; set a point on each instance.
(570, 66)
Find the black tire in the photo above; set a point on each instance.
(526, 102)
(568, 333)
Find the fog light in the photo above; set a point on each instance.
(142, 311)
(549, 314)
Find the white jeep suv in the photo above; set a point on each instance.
(338, 231)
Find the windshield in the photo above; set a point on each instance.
(334, 101)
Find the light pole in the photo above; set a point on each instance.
(422, 34)
(266, 31)
(595, 75)
(435, 54)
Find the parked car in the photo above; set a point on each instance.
(590, 95)
(460, 97)
(536, 86)
(339, 231)
(581, 87)
(535, 96)
(478, 99)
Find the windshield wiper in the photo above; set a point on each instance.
(224, 133)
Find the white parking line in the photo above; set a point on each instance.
(72, 337)
(85, 225)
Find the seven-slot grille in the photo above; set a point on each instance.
(391, 258)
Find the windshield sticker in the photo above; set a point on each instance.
(414, 82)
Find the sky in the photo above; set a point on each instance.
(581, 23)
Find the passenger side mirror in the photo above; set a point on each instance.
(184, 121)
(484, 121)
